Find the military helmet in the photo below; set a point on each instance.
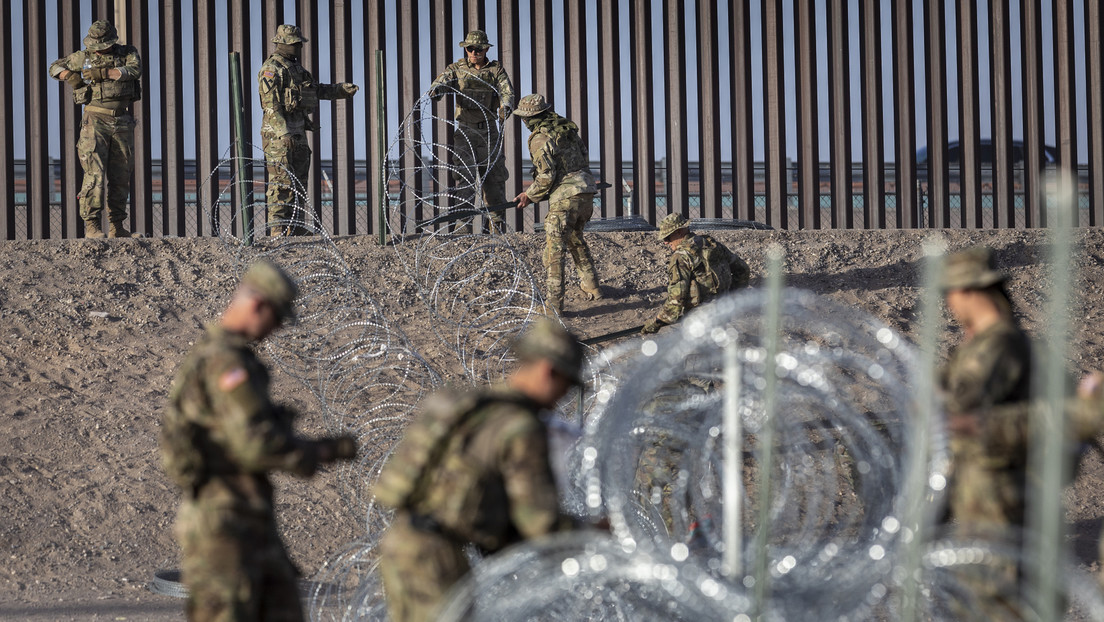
(101, 36)
(547, 339)
(532, 105)
(671, 224)
(476, 39)
(270, 282)
(970, 269)
(289, 34)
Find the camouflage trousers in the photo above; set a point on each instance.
(288, 160)
(474, 144)
(235, 567)
(106, 152)
(418, 568)
(563, 228)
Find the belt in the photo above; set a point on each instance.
(108, 111)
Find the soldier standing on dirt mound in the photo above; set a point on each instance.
(484, 92)
(289, 95)
(562, 175)
(106, 79)
(699, 270)
(474, 467)
(220, 436)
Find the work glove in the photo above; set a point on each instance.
(503, 112)
(96, 74)
(74, 80)
(650, 328)
(436, 93)
(348, 89)
(344, 448)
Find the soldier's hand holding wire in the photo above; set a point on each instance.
(651, 328)
(522, 199)
(503, 112)
(348, 89)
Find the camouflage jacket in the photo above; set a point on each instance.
(493, 482)
(289, 96)
(112, 94)
(686, 271)
(992, 368)
(483, 90)
(221, 433)
(561, 164)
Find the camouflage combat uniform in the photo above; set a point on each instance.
(105, 146)
(221, 433)
(289, 95)
(687, 277)
(495, 467)
(562, 175)
(485, 96)
(991, 369)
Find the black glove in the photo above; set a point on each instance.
(344, 448)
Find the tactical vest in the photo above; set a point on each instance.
(718, 271)
(478, 88)
(109, 91)
(567, 146)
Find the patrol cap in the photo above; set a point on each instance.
(970, 269)
(101, 36)
(288, 34)
(549, 340)
(532, 105)
(671, 224)
(274, 285)
(476, 39)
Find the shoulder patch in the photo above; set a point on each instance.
(269, 73)
(232, 379)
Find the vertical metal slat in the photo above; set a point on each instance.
(774, 71)
(344, 160)
(643, 111)
(743, 158)
(172, 122)
(609, 98)
(873, 126)
(969, 115)
(808, 142)
(1000, 70)
(674, 84)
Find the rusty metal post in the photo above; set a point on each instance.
(743, 154)
(1000, 79)
(643, 112)
(69, 40)
(935, 45)
(308, 23)
(873, 127)
(375, 130)
(904, 114)
(808, 117)
(409, 33)
(380, 174)
(443, 52)
(509, 54)
(207, 220)
(343, 212)
(1031, 46)
(969, 114)
(609, 99)
(839, 115)
(1065, 98)
(245, 178)
(774, 99)
(1094, 61)
(37, 127)
(7, 130)
(136, 32)
(674, 85)
(173, 216)
(709, 110)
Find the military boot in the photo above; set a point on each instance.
(555, 302)
(119, 231)
(593, 291)
(92, 229)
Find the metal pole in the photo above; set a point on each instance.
(733, 459)
(245, 183)
(381, 137)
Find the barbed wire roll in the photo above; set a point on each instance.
(586, 575)
(841, 441)
(348, 587)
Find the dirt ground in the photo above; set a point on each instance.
(92, 331)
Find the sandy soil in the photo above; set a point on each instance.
(91, 332)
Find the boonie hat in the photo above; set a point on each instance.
(549, 340)
(671, 224)
(476, 39)
(101, 36)
(288, 34)
(274, 285)
(970, 269)
(532, 105)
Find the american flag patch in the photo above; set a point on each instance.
(269, 74)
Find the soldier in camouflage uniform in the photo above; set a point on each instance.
(474, 467)
(483, 93)
(105, 78)
(690, 281)
(289, 95)
(562, 175)
(220, 436)
(991, 367)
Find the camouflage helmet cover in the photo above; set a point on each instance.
(476, 39)
(671, 224)
(532, 105)
(970, 269)
(288, 35)
(549, 340)
(270, 282)
(101, 36)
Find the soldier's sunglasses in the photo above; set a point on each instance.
(473, 49)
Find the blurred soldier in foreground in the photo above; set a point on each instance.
(990, 368)
(474, 467)
(289, 95)
(483, 94)
(221, 434)
(105, 78)
(699, 270)
(562, 175)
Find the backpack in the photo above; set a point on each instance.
(405, 474)
(722, 271)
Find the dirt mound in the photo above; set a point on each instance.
(92, 331)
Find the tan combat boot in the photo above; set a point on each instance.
(592, 290)
(119, 231)
(92, 229)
